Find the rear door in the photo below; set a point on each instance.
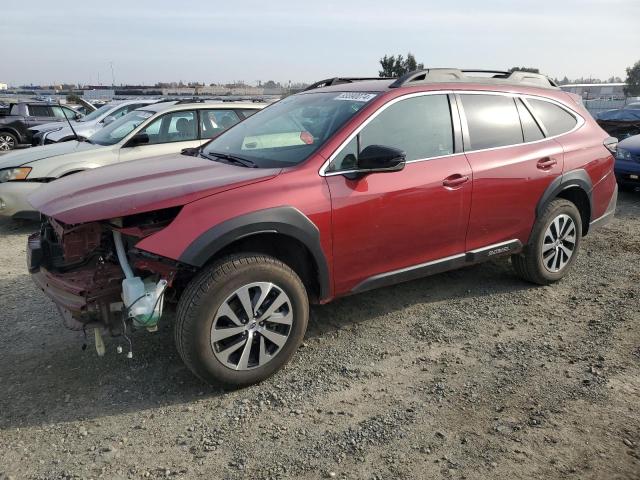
(512, 162)
(39, 114)
(169, 133)
(385, 225)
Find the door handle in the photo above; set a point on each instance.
(546, 163)
(455, 180)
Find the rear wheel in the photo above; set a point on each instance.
(241, 319)
(554, 244)
(8, 141)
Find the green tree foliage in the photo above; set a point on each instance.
(393, 66)
(524, 69)
(73, 98)
(633, 80)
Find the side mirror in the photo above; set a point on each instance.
(78, 116)
(380, 158)
(138, 139)
(191, 152)
(108, 119)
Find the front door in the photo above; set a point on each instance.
(385, 224)
(169, 133)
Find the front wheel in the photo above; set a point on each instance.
(553, 246)
(241, 319)
(8, 141)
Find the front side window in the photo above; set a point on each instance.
(555, 119)
(59, 112)
(214, 122)
(288, 132)
(173, 127)
(119, 129)
(420, 126)
(493, 121)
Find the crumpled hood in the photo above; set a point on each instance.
(25, 156)
(140, 186)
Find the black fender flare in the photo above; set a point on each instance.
(575, 178)
(284, 220)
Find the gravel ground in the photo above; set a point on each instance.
(470, 374)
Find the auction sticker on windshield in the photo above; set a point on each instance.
(355, 96)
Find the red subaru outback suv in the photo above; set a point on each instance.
(350, 185)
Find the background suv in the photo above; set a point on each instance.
(155, 129)
(345, 187)
(17, 118)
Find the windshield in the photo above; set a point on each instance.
(96, 113)
(120, 128)
(288, 132)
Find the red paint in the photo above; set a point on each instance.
(378, 223)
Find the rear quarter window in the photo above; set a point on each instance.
(554, 118)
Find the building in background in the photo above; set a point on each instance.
(4, 86)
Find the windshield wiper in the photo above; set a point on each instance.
(245, 162)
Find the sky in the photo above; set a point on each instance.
(77, 41)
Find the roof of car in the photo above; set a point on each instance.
(176, 105)
(436, 78)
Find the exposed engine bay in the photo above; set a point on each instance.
(98, 279)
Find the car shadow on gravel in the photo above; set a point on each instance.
(47, 377)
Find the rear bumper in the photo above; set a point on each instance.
(607, 216)
(13, 200)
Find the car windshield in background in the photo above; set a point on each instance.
(96, 113)
(288, 132)
(117, 130)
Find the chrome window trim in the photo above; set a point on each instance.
(580, 121)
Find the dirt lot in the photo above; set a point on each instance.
(470, 374)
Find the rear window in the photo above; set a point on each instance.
(554, 118)
(493, 121)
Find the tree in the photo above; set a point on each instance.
(633, 81)
(393, 66)
(524, 69)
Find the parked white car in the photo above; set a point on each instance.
(86, 126)
(157, 129)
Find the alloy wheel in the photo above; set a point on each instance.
(559, 243)
(251, 326)
(7, 142)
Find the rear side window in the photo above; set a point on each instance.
(214, 122)
(247, 113)
(555, 119)
(493, 121)
(39, 111)
(530, 128)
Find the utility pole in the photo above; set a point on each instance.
(113, 76)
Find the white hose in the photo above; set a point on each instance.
(122, 256)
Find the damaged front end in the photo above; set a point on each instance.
(96, 276)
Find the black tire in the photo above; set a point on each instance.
(529, 264)
(8, 141)
(205, 294)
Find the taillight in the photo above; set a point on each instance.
(612, 144)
